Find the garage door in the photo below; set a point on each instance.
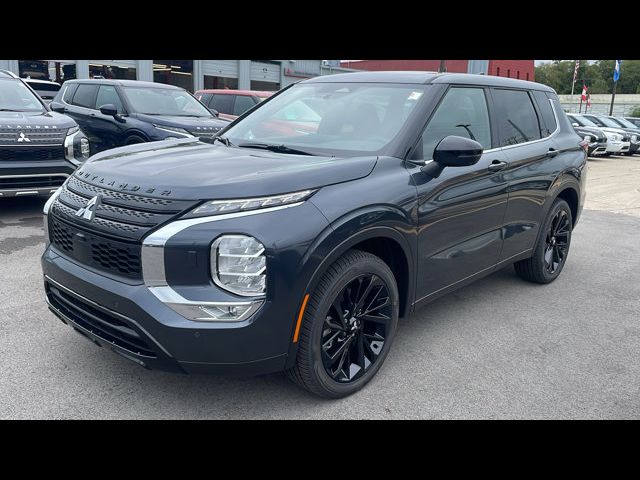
(265, 72)
(116, 63)
(220, 68)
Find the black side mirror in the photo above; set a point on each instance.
(109, 109)
(214, 112)
(57, 107)
(454, 151)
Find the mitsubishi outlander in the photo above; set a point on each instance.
(295, 242)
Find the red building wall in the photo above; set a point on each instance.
(457, 66)
(523, 69)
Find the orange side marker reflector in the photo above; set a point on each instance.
(300, 315)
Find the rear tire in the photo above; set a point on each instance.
(133, 139)
(348, 326)
(552, 247)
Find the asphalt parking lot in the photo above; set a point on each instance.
(501, 348)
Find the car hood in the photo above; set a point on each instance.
(188, 123)
(190, 169)
(25, 120)
(619, 131)
(590, 130)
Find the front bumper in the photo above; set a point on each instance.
(132, 322)
(26, 178)
(597, 148)
(618, 147)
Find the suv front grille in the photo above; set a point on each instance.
(110, 242)
(100, 322)
(32, 136)
(31, 153)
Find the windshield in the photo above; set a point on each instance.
(583, 121)
(609, 122)
(165, 101)
(16, 97)
(330, 118)
(625, 123)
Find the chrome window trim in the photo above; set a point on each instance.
(552, 134)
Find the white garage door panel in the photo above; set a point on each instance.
(220, 68)
(266, 72)
(117, 63)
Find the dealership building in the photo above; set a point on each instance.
(190, 74)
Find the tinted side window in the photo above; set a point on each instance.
(243, 103)
(517, 119)
(549, 124)
(107, 94)
(69, 90)
(204, 98)
(462, 112)
(223, 103)
(85, 96)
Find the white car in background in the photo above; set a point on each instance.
(618, 141)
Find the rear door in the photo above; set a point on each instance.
(526, 139)
(81, 107)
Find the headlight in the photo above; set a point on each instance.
(73, 130)
(238, 264)
(217, 207)
(45, 212)
(179, 130)
(634, 138)
(587, 138)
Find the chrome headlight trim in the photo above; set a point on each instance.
(153, 269)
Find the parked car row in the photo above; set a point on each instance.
(46, 130)
(607, 135)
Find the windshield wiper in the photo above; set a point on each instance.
(275, 148)
(224, 141)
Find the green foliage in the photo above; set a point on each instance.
(635, 113)
(598, 76)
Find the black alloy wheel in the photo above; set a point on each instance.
(557, 242)
(355, 328)
(348, 326)
(550, 253)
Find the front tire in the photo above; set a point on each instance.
(348, 326)
(552, 248)
(134, 139)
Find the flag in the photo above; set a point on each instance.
(575, 71)
(616, 71)
(584, 92)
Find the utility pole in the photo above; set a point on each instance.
(443, 67)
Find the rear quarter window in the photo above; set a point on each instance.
(548, 124)
(68, 91)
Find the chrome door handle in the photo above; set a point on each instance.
(496, 166)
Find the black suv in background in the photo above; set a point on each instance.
(38, 148)
(295, 242)
(114, 113)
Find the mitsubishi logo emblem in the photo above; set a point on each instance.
(89, 210)
(23, 138)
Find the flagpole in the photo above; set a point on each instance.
(575, 76)
(616, 70)
(613, 97)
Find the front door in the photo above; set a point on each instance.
(461, 211)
